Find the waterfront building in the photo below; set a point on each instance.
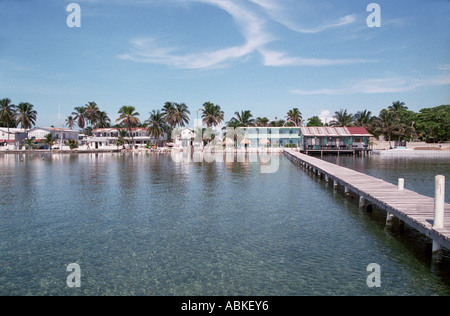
(12, 137)
(108, 137)
(334, 140)
(261, 137)
(185, 138)
(64, 134)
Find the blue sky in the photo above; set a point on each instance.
(267, 56)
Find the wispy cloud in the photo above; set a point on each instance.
(380, 85)
(283, 15)
(274, 58)
(252, 18)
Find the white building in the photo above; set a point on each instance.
(108, 137)
(65, 134)
(184, 138)
(14, 137)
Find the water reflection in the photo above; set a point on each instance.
(148, 225)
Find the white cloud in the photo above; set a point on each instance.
(284, 16)
(381, 85)
(274, 58)
(253, 26)
(147, 50)
(444, 67)
(325, 116)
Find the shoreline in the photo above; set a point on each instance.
(407, 153)
(43, 151)
(412, 153)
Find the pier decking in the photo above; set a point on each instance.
(410, 207)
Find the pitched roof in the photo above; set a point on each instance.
(53, 129)
(359, 131)
(326, 131)
(113, 129)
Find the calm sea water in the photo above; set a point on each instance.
(146, 225)
(418, 173)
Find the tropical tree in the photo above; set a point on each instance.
(128, 118)
(121, 138)
(262, 121)
(156, 124)
(277, 123)
(102, 120)
(397, 106)
(434, 123)
(26, 115)
(314, 121)
(72, 143)
(212, 115)
(168, 110)
(243, 119)
(342, 119)
(92, 112)
(49, 140)
(363, 118)
(70, 122)
(388, 124)
(179, 115)
(29, 144)
(7, 113)
(295, 115)
(79, 115)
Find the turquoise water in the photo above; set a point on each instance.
(146, 225)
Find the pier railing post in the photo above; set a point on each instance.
(439, 201)
(389, 215)
(401, 184)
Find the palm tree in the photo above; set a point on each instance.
(156, 124)
(79, 115)
(363, 118)
(168, 110)
(262, 121)
(295, 115)
(397, 106)
(180, 114)
(243, 119)
(342, 119)
(49, 140)
(388, 124)
(277, 123)
(103, 120)
(7, 113)
(212, 115)
(25, 115)
(121, 140)
(70, 122)
(128, 118)
(29, 144)
(91, 113)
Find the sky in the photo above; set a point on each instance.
(266, 56)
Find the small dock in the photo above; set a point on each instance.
(332, 151)
(416, 210)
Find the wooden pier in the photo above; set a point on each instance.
(411, 208)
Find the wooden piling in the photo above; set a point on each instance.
(407, 206)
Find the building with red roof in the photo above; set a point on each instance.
(334, 139)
